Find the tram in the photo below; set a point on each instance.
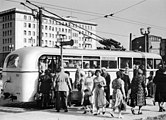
(22, 67)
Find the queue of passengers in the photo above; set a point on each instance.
(95, 88)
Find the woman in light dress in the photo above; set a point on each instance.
(118, 94)
(99, 95)
(88, 85)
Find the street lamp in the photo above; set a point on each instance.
(61, 37)
(145, 33)
(11, 46)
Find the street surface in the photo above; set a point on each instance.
(14, 112)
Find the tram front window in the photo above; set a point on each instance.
(12, 61)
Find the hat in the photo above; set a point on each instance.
(103, 68)
(140, 71)
(122, 69)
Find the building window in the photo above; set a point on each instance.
(46, 27)
(33, 25)
(25, 17)
(29, 25)
(10, 24)
(29, 32)
(33, 33)
(25, 32)
(46, 42)
(25, 40)
(45, 34)
(10, 40)
(29, 17)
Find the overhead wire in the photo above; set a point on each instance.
(99, 15)
(65, 10)
(129, 7)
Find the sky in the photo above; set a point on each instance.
(128, 15)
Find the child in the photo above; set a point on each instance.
(87, 102)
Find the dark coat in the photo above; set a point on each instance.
(160, 82)
(138, 91)
(45, 85)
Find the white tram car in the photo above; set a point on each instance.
(21, 67)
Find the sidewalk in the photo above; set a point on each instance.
(150, 112)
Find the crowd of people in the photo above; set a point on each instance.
(95, 90)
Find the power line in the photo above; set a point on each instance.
(129, 7)
(112, 33)
(70, 27)
(99, 15)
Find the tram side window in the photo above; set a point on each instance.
(125, 63)
(157, 63)
(149, 63)
(138, 63)
(72, 61)
(91, 62)
(12, 61)
(69, 63)
(109, 64)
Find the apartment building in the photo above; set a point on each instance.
(19, 28)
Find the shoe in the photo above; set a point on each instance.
(111, 115)
(132, 111)
(91, 111)
(57, 110)
(96, 114)
(139, 113)
(84, 112)
(120, 116)
(66, 110)
(154, 103)
(103, 112)
(161, 109)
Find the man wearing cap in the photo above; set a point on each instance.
(107, 77)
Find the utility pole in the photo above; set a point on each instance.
(130, 44)
(40, 26)
(38, 17)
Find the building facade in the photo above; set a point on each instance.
(149, 43)
(19, 28)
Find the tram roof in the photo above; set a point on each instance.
(79, 52)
